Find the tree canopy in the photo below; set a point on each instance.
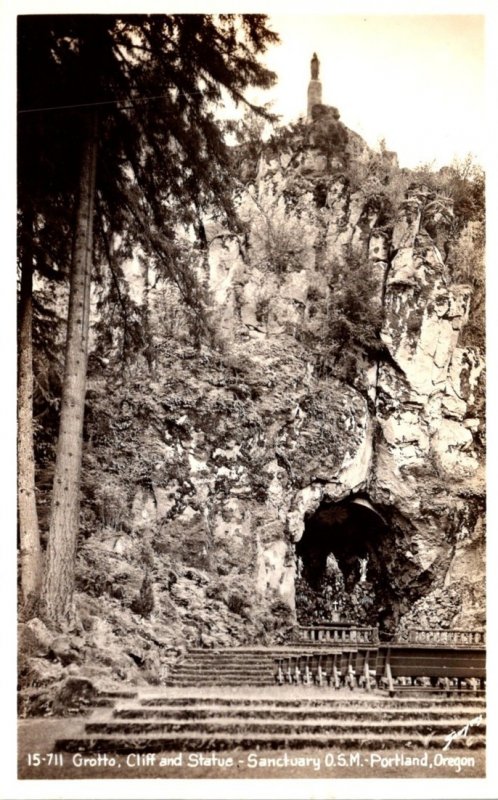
(116, 126)
(155, 81)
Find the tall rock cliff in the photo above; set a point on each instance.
(404, 432)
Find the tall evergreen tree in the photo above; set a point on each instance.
(43, 225)
(148, 85)
(31, 564)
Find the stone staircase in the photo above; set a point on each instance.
(239, 666)
(290, 718)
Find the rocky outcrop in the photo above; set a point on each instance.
(419, 457)
(428, 460)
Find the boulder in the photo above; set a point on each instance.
(40, 672)
(74, 696)
(35, 638)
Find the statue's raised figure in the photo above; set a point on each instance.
(315, 67)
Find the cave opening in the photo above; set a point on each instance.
(352, 567)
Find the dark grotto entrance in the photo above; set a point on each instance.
(351, 567)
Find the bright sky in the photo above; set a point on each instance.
(418, 81)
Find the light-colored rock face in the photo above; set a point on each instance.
(226, 274)
(378, 246)
(407, 224)
(429, 447)
(423, 460)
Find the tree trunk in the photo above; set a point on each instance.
(31, 559)
(56, 600)
(147, 334)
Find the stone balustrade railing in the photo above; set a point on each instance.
(341, 634)
(331, 634)
(455, 636)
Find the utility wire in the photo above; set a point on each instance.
(105, 103)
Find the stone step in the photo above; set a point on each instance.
(243, 680)
(238, 668)
(328, 698)
(215, 657)
(296, 712)
(214, 684)
(220, 680)
(199, 663)
(258, 650)
(249, 665)
(224, 665)
(265, 652)
(234, 662)
(198, 668)
(282, 649)
(229, 676)
(246, 676)
(227, 673)
(217, 662)
(217, 742)
(332, 727)
(269, 656)
(217, 683)
(274, 655)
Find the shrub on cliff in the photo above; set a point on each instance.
(329, 135)
(354, 319)
(280, 232)
(144, 602)
(238, 603)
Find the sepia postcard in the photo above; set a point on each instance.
(251, 384)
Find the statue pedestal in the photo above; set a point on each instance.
(314, 96)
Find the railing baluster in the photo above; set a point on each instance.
(342, 634)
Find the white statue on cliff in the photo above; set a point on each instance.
(314, 86)
(315, 67)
